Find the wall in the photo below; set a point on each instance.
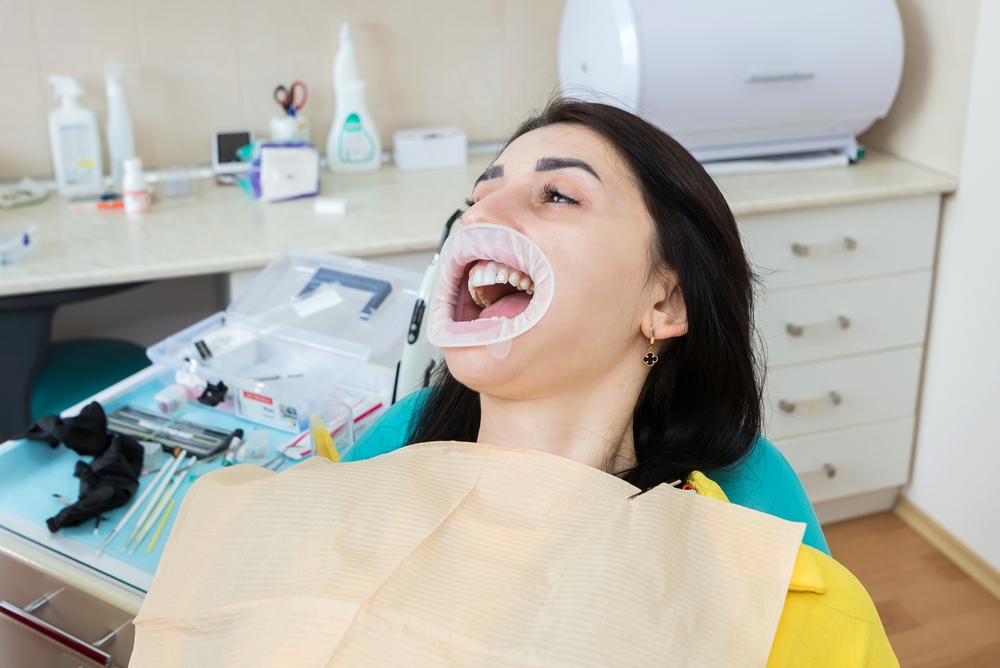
(927, 121)
(955, 478)
(198, 66)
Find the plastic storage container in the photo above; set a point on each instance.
(302, 334)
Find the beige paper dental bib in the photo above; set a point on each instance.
(457, 554)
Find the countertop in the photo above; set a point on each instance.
(388, 211)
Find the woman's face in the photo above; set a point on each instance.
(568, 190)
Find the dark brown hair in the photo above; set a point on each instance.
(700, 407)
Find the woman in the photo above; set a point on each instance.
(641, 368)
(650, 251)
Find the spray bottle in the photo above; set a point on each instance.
(354, 144)
(121, 138)
(75, 142)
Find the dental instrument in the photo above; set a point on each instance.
(417, 361)
(174, 484)
(492, 284)
(135, 506)
(197, 439)
(159, 528)
(234, 445)
(155, 497)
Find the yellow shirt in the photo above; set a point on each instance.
(829, 621)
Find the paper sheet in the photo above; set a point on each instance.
(456, 554)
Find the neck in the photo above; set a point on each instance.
(588, 426)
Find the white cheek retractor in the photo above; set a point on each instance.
(507, 269)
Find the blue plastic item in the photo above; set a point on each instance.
(79, 368)
(765, 481)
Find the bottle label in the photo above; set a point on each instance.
(136, 202)
(79, 165)
(355, 145)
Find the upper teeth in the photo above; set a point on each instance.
(496, 273)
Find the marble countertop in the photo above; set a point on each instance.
(388, 211)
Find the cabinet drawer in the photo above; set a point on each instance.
(818, 396)
(78, 614)
(844, 318)
(853, 461)
(21, 646)
(796, 248)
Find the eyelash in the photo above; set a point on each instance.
(551, 193)
(548, 191)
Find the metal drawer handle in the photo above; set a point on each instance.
(55, 633)
(841, 322)
(43, 600)
(803, 405)
(826, 471)
(845, 244)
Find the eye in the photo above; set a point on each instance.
(551, 194)
(469, 203)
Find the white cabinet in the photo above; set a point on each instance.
(47, 621)
(844, 319)
(842, 314)
(830, 244)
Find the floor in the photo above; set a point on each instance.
(934, 614)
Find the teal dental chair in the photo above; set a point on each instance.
(79, 368)
(765, 481)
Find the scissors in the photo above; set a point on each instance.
(287, 97)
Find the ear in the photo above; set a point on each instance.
(668, 318)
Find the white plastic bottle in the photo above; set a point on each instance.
(75, 142)
(135, 192)
(354, 144)
(121, 138)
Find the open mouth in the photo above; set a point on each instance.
(496, 291)
(492, 284)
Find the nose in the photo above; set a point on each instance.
(499, 207)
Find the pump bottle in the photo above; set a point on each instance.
(354, 144)
(75, 142)
(121, 138)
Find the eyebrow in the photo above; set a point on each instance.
(494, 171)
(550, 164)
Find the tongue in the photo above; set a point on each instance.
(509, 307)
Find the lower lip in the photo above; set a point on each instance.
(472, 327)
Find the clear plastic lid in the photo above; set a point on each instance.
(363, 305)
(303, 312)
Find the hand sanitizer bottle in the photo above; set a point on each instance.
(75, 142)
(354, 144)
(121, 138)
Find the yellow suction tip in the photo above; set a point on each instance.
(322, 440)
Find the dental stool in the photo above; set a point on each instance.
(765, 481)
(75, 369)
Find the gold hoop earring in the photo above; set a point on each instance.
(650, 358)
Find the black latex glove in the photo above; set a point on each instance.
(87, 433)
(108, 482)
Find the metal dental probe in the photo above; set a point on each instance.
(234, 444)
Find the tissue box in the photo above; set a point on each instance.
(429, 148)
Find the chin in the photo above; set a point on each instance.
(516, 376)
